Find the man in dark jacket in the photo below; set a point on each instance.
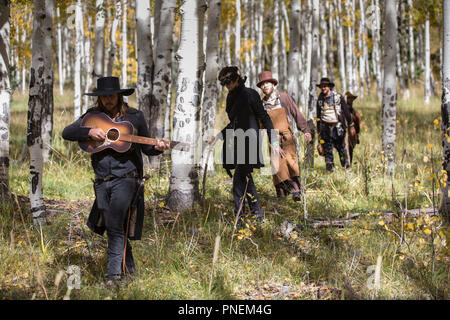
(332, 117)
(116, 176)
(242, 150)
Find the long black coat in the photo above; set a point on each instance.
(74, 132)
(245, 109)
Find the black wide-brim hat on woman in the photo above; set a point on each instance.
(107, 86)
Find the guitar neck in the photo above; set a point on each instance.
(143, 140)
(138, 139)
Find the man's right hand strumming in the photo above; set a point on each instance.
(97, 134)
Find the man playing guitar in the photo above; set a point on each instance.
(117, 175)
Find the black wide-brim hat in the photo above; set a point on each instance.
(107, 86)
(325, 81)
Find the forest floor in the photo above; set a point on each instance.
(374, 255)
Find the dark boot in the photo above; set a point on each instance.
(330, 167)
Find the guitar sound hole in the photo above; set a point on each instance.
(113, 134)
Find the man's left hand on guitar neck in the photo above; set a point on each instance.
(162, 145)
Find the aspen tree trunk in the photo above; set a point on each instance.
(389, 106)
(144, 56)
(226, 44)
(60, 60)
(294, 51)
(99, 42)
(237, 35)
(330, 52)
(40, 99)
(361, 48)
(349, 49)
(323, 40)
(88, 65)
(253, 37)
(444, 207)
(184, 182)
(246, 34)
(156, 23)
(275, 67)
(78, 55)
(376, 55)
(427, 71)
(411, 44)
(24, 70)
(162, 74)
(212, 91)
(260, 14)
(283, 62)
(284, 21)
(5, 98)
(113, 42)
(314, 79)
(124, 43)
(309, 49)
(342, 69)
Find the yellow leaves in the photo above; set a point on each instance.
(427, 231)
(430, 146)
(381, 223)
(161, 204)
(436, 122)
(322, 141)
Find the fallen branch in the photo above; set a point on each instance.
(342, 222)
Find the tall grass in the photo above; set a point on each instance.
(175, 257)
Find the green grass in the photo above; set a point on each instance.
(175, 257)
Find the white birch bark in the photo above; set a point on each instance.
(183, 189)
(349, 48)
(5, 98)
(275, 67)
(323, 40)
(99, 42)
(411, 44)
(314, 79)
(284, 25)
(88, 100)
(294, 51)
(260, 36)
(60, 60)
(330, 51)
(124, 44)
(78, 56)
(283, 61)
(376, 54)
(40, 98)
(162, 73)
(144, 56)
(226, 45)
(427, 71)
(156, 23)
(24, 70)
(113, 42)
(237, 35)
(212, 92)
(389, 106)
(362, 47)
(342, 67)
(444, 207)
(308, 53)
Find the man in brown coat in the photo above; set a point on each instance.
(286, 118)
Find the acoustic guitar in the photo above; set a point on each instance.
(119, 135)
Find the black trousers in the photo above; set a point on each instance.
(244, 187)
(331, 140)
(113, 199)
